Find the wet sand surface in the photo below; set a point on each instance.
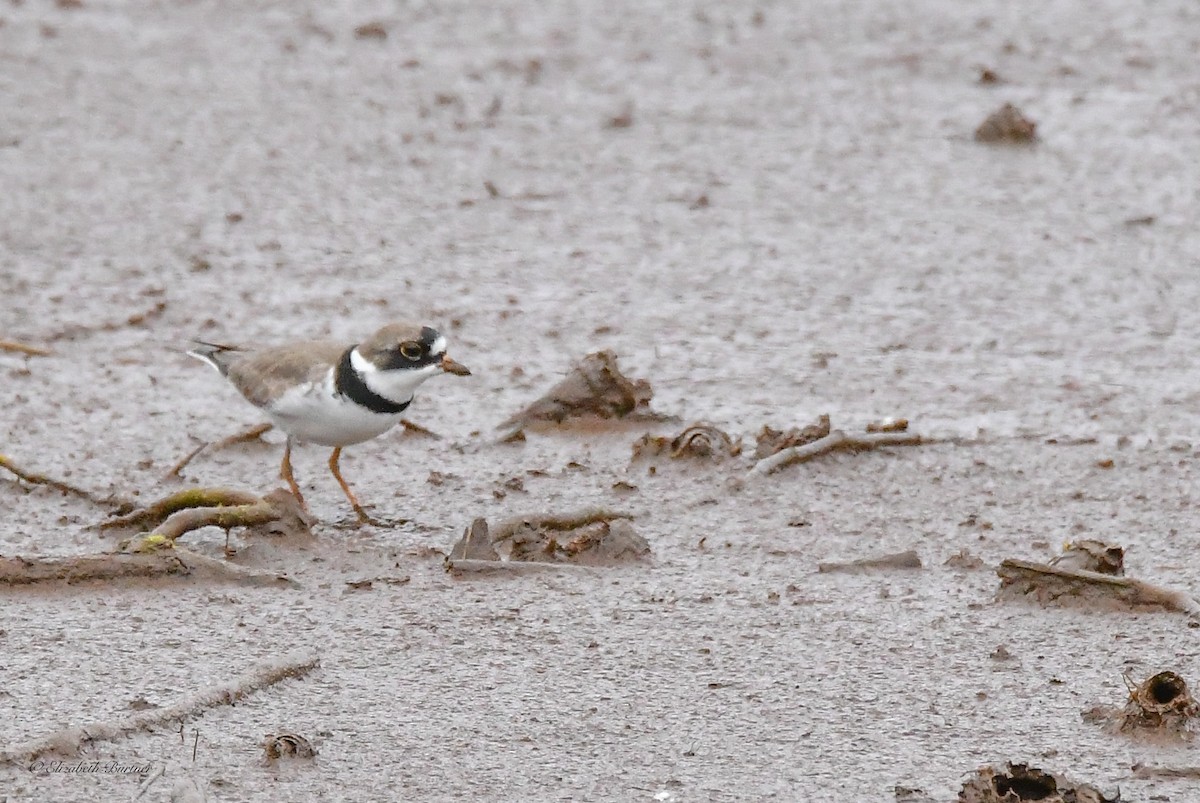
(770, 211)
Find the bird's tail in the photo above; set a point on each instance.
(214, 354)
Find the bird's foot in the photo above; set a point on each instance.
(364, 519)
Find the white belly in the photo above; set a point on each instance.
(315, 414)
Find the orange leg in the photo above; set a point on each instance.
(285, 471)
(363, 518)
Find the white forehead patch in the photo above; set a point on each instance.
(439, 345)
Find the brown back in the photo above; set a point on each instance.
(263, 376)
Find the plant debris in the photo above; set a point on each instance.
(899, 560)
(1007, 126)
(777, 449)
(413, 429)
(278, 513)
(1142, 772)
(146, 316)
(1050, 584)
(15, 347)
(371, 30)
(964, 560)
(33, 478)
(475, 544)
(591, 538)
(147, 564)
(1141, 220)
(254, 433)
(699, 441)
(287, 745)
(1020, 783)
(1093, 556)
(594, 390)
(602, 543)
(368, 583)
(911, 794)
(772, 441)
(70, 741)
(1162, 702)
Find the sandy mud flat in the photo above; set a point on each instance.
(768, 211)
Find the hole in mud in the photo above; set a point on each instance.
(1026, 788)
(1166, 689)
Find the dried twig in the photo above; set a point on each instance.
(277, 513)
(898, 560)
(160, 511)
(167, 563)
(413, 428)
(251, 434)
(14, 347)
(157, 773)
(1050, 583)
(183, 461)
(836, 440)
(136, 319)
(69, 741)
(226, 518)
(34, 478)
(1142, 772)
(458, 566)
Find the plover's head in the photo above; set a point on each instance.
(399, 357)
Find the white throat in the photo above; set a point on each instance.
(396, 385)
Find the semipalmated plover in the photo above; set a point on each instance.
(334, 394)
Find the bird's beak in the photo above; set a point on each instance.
(456, 368)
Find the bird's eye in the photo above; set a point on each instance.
(411, 350)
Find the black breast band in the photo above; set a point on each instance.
(348, 383)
